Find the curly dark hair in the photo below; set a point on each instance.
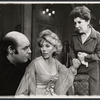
(82, 12)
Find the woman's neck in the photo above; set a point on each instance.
(49, 61)
(88, 31)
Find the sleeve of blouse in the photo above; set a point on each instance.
(65, 79)
(28, 83)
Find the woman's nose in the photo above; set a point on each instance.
(77, 25)
(43, 49)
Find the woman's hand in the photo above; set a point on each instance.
(81, 56)
(76, 63)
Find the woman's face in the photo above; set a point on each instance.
(46, 49)
(81, 25)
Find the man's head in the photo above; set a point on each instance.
(15, 46)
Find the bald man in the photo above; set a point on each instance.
(14, 58)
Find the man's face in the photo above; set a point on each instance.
(81, 25)
(23, 51)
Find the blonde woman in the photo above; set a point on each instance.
(46, 75)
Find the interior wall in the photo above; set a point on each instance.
(29, 19)
(17, 17)
(11, 18)
(6, 19)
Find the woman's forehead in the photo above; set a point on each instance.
(43, 41)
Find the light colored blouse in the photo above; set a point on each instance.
(36, 81)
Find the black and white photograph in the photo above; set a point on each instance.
(49, 49)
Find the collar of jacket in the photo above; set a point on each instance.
(92, 35)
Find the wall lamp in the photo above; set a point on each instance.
(48, 9)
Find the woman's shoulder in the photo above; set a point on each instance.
(33, 64)
(38, 58)
(57, 62)
(35, 60)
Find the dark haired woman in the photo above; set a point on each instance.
(86, 46)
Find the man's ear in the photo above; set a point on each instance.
(10, 50)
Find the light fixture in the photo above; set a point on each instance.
(49, 14)
(48, 10)
(43, 12)
(53, 12)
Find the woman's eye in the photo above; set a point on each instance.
(79, 22)
(41, 45)
(47, 45)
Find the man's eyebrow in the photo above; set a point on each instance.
(26, 46)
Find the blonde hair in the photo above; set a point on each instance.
(52, 38)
